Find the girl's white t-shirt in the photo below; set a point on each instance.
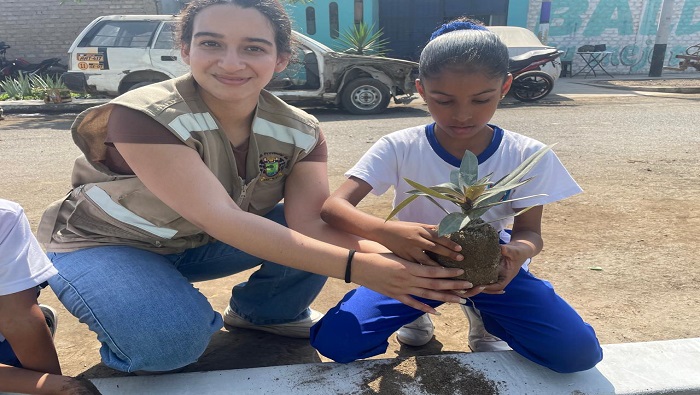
(415, 154)
(23, 264)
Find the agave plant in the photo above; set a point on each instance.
(362, 39)
(474, 196)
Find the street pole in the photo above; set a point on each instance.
(545, 15)
(659, 53)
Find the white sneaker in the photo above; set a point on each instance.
(51, 318)
(299, 329)
(417, 333)
(479, 339)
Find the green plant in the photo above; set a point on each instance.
(17, 88)
(47, 82)
(363, 39)
(474, 197)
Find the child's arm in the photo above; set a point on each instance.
(408, 240)
(526, 242)
(23, 325)
(25, 381)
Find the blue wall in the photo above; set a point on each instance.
(346, 16)
(517, 12)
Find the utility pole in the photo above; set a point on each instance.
(545, 15)
(659, 53)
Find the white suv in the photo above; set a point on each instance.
(117, 53)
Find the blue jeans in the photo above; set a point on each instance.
(536, 322)
(148, 316)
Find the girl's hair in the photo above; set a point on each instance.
(271, 9)
(464, 45)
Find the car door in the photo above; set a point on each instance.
(163, 53)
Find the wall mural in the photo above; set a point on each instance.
(627, 27)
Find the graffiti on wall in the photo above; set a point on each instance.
(627, 27)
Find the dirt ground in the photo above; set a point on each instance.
(624, 253)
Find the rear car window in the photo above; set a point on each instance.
(123, 34)
(166, 37)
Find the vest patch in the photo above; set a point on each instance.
(271, 165)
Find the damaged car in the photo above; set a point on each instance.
(118, 53)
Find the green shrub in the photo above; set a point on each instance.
(29, 87)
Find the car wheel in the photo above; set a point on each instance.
(365, 96)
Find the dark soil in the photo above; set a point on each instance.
(481, 251)
(448, 377)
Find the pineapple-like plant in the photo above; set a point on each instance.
(474, 196)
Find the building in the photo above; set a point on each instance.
(37, 29)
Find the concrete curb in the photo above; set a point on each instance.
(662, 367)
(644, 88)
(39, 107)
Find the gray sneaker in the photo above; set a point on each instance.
(479, 339)
(417, 333)
(51, 318)
(298, 329)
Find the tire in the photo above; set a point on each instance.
(139, 85)
(365, 96)
(532, 86)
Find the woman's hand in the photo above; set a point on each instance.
(410, 240)
(403, 280)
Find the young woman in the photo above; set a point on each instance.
(181, 181)
(463, 76)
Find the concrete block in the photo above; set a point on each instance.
(661, 367)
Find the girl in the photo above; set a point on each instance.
(181, 181)
(463, 75)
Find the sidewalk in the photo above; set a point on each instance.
(662, 367)
(566, 87)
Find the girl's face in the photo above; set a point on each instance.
(462, 104)
(232, 54)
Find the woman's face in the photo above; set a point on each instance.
(232, 54)
(462, 103)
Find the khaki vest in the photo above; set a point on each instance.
(105, 208)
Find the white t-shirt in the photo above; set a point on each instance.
(23, 264)
(415, 153)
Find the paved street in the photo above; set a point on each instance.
(624, 148)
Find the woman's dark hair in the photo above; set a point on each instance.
(464, 45)
(271, 9)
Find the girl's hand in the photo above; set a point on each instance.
(403, 280)
(512, 258)
(410, 240)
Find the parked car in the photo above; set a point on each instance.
(520, 41)
(117, 53)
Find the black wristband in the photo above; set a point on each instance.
(348, 266)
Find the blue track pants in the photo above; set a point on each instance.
(534, 321)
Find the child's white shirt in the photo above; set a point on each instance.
(23, 264)
(415, 154)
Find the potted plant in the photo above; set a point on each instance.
(53, 89)
(479, 240)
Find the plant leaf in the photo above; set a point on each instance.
(401, 206)
(514, 215)
(427, 190)
(498, 189)
(525, 167)
(451, 223)
(468, 169)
